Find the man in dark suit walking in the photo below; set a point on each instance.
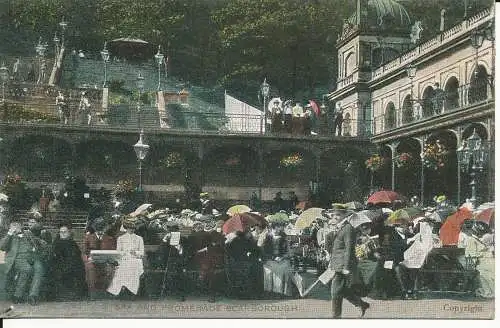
(341, 245)
(23, 251)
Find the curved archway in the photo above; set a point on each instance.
(408, 115)
(343, 175)
(349, 64)
(478, 89)
(452, 99)
(390, 116)
(408, 167)
(289, 167)
(231, 166)
(443, 180)
(38, 158)
(104, 161)
(427, 105)
(484, 186)
(346, 127)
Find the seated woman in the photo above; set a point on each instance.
(242, 265)
(130, 266)
(98, 275)
(67, 270)
(477, 250)
(277, 266)
(414, 257)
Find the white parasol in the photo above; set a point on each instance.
(271, 103)
(4, 197)
(141, 209)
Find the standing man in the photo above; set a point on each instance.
(84, 107)
(338, 118)
(23, 250)
(341, 246)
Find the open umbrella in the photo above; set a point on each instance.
(451, 227)
(279, 217)
(238, 222)
(238, 209)
(486, 215)
(307, 217)
(4, 197)
(383, 197)
(354, 206)
(303, 205)
(141, 209)
(256, 217)
(404, 215)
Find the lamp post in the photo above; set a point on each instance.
(159, 61)
(140, 87)
(4, 76)
(56, 44)
(264, 88)
(477, 38)
(141, 151)
(63, 24)
(40, 49)
(472, 156)
(105, 59)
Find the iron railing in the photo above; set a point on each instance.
(435, 105)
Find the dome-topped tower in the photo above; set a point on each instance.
(376, 16)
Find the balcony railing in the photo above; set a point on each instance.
(426, 47)
(434, 106)
(178, 119)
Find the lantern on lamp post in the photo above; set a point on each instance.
(264, 89)
(4, 76)
(141, 151)
(159, 61)
(472, 156)
(105, 59)
(140, 87)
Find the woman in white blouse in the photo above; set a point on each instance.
(130, 266)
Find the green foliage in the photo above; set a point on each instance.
(16, 113)
(16, 190)
(233, 44)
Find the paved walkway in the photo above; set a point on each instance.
(276, 309)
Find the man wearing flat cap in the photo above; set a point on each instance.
(341, 247)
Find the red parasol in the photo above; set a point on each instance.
(239, 222)
(315, 107)
(487, 216)
(451, 227)
(383, 197)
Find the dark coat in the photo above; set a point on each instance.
(67, 270)
(393, 246)
(238, 248)
(341, 246)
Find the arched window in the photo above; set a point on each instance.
(451, 100)
(390, 116)
(478, 90)
(428, 105)
(349, 64)
(347, 125)
(408, 116)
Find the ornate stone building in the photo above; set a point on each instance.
(408, 95)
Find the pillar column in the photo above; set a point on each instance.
(393, 147)
(260, 173)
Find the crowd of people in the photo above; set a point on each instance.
(370, 251)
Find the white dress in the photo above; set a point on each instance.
(130, 267)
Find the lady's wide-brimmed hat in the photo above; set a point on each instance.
(130, 222)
